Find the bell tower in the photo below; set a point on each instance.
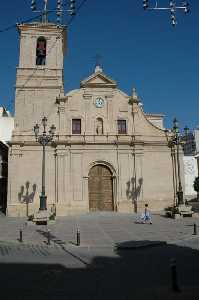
(39, 79)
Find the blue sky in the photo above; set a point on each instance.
(138, 48)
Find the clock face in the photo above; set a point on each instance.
(99, 102)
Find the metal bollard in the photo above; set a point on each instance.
(78, 237)
(195, 229)
(174, 277)
(48, 237)
(20, 235)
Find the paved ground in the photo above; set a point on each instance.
(98, 229)
(117, 259)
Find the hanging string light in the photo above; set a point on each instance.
(172, 7)
(59, 9)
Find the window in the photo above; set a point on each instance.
(41, 51)
(76, 126)
(121, 126)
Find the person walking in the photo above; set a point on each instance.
(146, 215)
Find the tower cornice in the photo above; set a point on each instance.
(42, 26)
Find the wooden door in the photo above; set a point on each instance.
(100, 189)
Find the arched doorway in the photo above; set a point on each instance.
(100, 186)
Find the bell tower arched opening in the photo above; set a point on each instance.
(41, 51)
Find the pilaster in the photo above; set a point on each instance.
(63, 190)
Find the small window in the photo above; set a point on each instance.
(76, 126)
(41, 51)
(121, 126)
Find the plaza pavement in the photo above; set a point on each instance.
(98, 229)
(117, 258)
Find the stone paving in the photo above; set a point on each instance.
(115, 260)
(98, 229)
(100, 234)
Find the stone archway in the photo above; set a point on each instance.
(100, 187)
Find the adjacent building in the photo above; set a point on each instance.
(3, 176)
(190, 149)
(196, 134)
(6, 125)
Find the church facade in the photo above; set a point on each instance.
(106, 155)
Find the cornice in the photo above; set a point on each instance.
(42, 26)
(39, 87)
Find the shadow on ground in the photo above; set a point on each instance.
(143, 273)
(51, 237)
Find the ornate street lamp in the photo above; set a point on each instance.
(174, 143)
(44, 139)
(176, 139)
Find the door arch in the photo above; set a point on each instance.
(100, 187)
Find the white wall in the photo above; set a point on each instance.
(156, 120)
(6, 126)
(190, 172)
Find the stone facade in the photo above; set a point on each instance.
(134, 163)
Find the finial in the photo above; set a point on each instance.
(98, 65)
(98, 69)
(134, 97)
(134, 93)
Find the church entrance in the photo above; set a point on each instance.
(100, 186)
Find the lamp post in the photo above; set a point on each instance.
(177, 142)
(174, 143)
(44, 139)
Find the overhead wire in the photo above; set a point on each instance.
(51, 48)
(14, 25)
(39, 16)
(59, 36)
(77, 10)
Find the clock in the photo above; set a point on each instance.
(99, 102)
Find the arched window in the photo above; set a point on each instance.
(41, 51)
(99, 126)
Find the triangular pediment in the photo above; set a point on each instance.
(98, 79)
